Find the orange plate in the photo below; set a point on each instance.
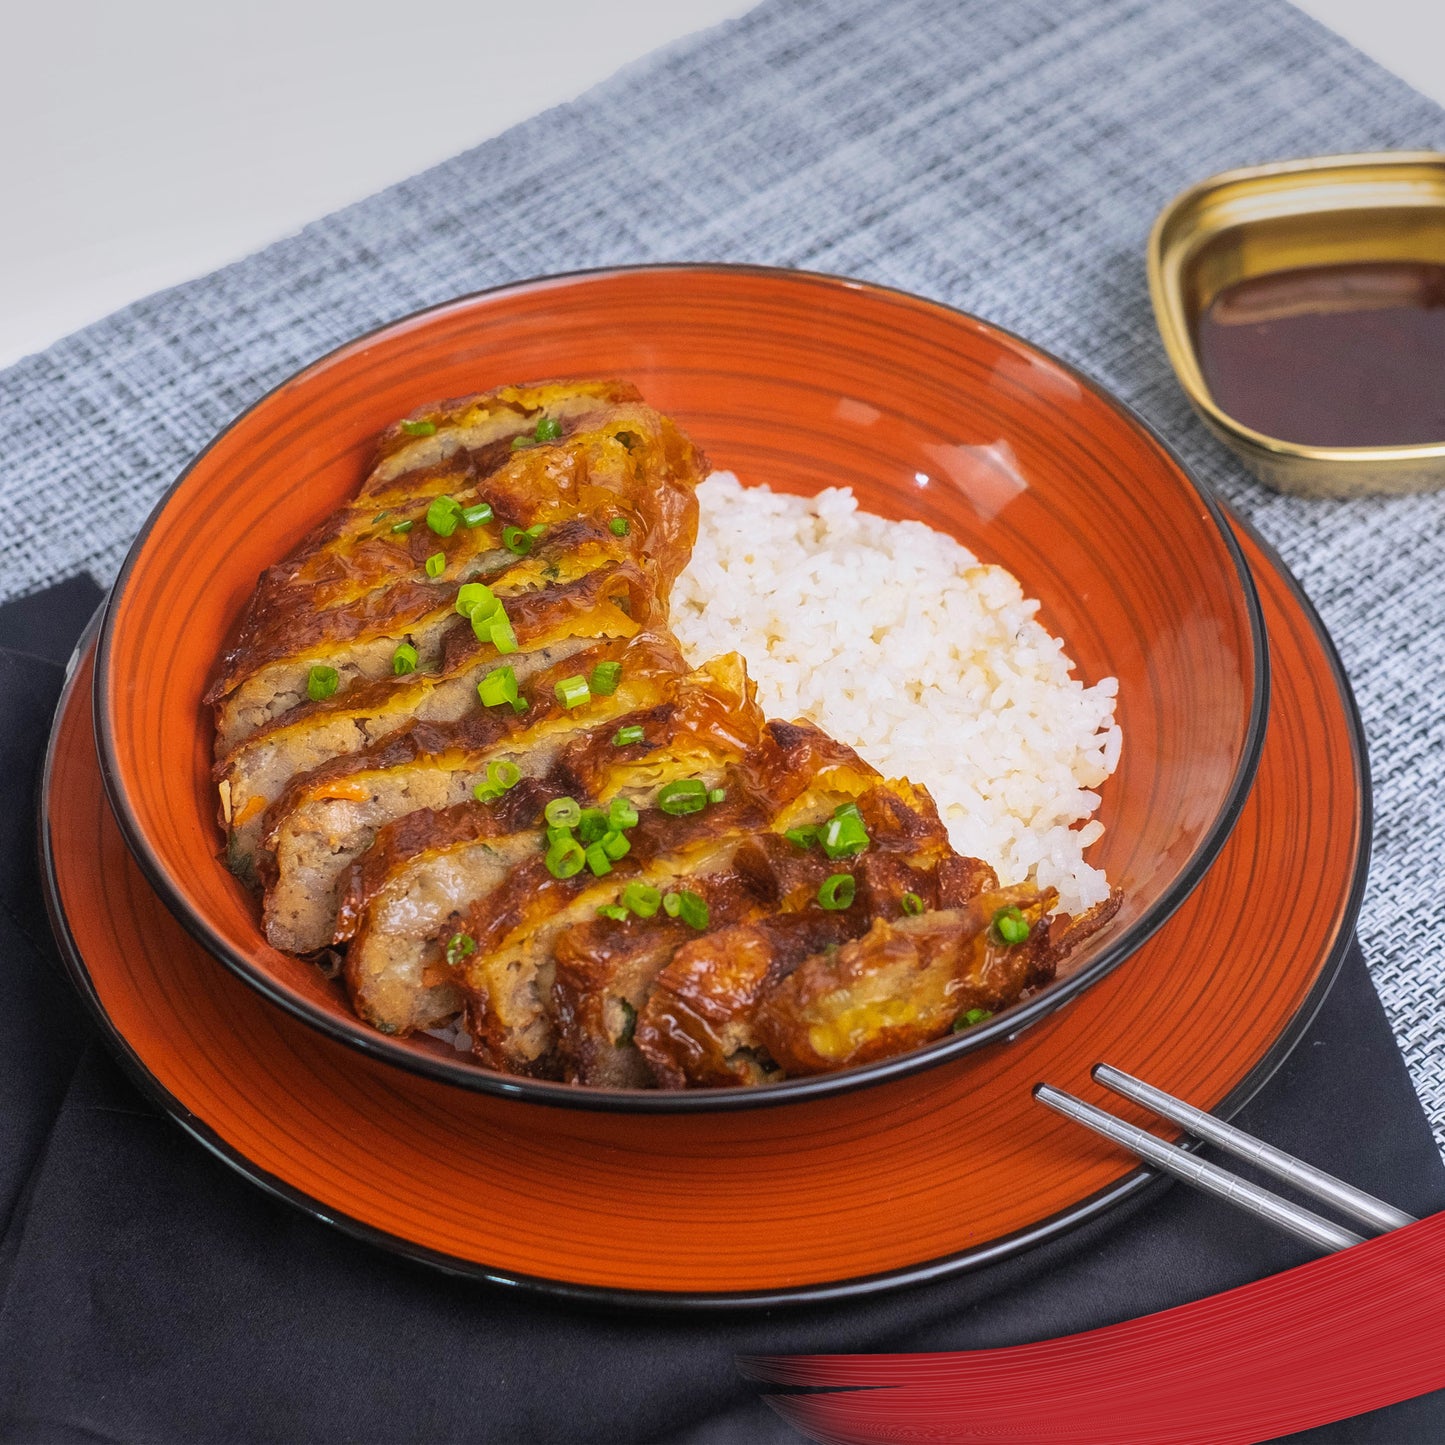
(790, 379)
(905, 1181)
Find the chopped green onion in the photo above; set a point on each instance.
(682, 796)
(321, 682)
(572, 691)
(615, 911)
(519, 442)
(844, 834)
(384, 512)
(565, 858)
(521, 540)
(642, 898)
(475, 597)
(503, 774)
(559, 835)
(591, 825)
(547, 430)
(402, 526)
(403, 660)
(691, 908)
(625, 736)
(502, 636)
(614, 844)
(598, 861)
(672, 905)
(563, 812)
(837, 891)
(436, 564)
(477, 515)
(443, 516)
(483, 615)
(912, 904)
(419, 428)
(1010, 926)
(802, 837)
(605, 677)
(487, 793)
(621, 814)
(618, 526)
(717, 795)
(973, 1016)
(460, 946)
(629, 1024)
(497, 687)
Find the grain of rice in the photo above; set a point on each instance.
(897, 640)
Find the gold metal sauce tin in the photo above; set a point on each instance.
(1327, 210)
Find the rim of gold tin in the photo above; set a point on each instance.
(1270, 192)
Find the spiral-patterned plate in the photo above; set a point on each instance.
(913, 1178)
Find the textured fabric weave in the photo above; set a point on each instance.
(1004, 157)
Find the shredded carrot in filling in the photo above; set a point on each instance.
(256, 805)
(347, 792)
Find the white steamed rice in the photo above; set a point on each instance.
(895, 639)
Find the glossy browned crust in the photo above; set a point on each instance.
(355, 580)
(909, 981)
(697, 1026)
(351, 554)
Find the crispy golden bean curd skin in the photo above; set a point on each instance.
(456, 741)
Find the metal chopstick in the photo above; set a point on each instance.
(1201, 1174)
(1380, 1216)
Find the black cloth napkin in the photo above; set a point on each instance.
(149, 1294)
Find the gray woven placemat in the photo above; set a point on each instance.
(1006, 156)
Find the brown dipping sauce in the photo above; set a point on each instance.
(1351, 355)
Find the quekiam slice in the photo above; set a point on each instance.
(384, 570)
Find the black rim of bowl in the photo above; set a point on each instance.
(470, 1075)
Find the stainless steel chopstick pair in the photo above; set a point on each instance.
(1182, 1164)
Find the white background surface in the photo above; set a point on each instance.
(146, 142)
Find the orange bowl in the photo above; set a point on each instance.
(796, 380)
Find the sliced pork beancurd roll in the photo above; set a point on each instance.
(606, 483)
(327, 818)
(450, 859)
(509, 983)
(436, 432)
(402, 969)
(455, 738)
(547, 983)
(446, 860)
(910, 981)
(604, 972)
(548, 625)
(696, 1027)
(540, 1001)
